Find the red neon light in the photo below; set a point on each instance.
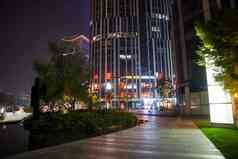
(95, 77)
(108, 76)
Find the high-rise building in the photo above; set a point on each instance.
(130, 50)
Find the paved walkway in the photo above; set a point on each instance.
(160, 138)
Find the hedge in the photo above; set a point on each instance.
(56, 128)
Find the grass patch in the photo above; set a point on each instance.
(225, 139)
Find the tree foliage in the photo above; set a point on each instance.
(219, 44)
(35, 100)
(65, 77)
(51, 87)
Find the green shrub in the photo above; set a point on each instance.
(56, 128)
(86, 122)
(28, 109)
(1, 117)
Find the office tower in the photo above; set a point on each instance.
(130, 50)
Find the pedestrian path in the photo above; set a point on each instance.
(159, 138)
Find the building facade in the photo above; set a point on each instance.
(130, 49)
(80, 41)
(192, 87)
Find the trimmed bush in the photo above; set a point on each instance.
(55, 128)
(1, 117)
(88, 122)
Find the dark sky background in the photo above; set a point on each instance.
(26, 26)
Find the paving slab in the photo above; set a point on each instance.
(159, 138)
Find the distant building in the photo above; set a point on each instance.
(23, 101)
(7, 99)
(12, 102)
(130, 49)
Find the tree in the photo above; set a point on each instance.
(92, 101)
(51, 86)
(65, 77)
(219, 43)
(35, 98)
(75, 83)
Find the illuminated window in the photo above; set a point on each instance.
(155, 29)
(124, 57)
(160, 16)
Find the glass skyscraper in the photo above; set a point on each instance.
(130, 49)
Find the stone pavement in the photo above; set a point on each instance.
(159, 138)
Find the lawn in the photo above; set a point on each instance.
(225, 139)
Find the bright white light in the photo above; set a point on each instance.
(107, 105)
(160, 16)
(130, 86)
(108, 86)
(221, 113)
(218, 95)
(148, 101)
(94, 38)
(125, 57)
(155, 29)
(220, 101)
(2, 110)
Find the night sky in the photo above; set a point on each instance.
(26, 26)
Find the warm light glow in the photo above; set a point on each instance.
(95, 86)
(122, 94)
(108, 76)
(146, 94)
(236, 95)
(139, 77)
(122, 85)
(94, 38)
(122, 106)
(95, 77)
